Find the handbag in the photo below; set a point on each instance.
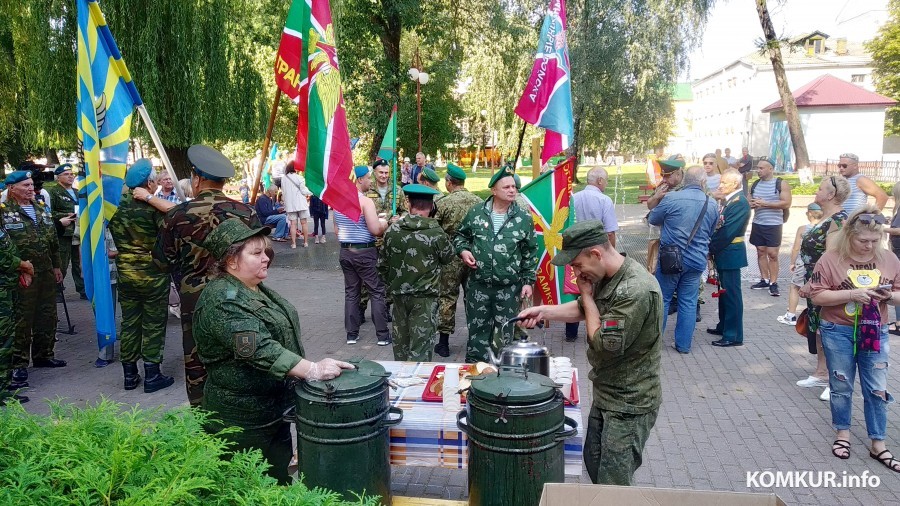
(670, 257)
(802, 325)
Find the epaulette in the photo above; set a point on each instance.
(231, 294)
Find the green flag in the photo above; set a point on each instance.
(388, 149)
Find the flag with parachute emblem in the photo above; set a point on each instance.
(549, 199)
(289, 59)
(106, 101)
(546, 101)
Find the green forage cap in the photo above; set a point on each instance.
(583, 234)
(430, 175)
(209, 163)
(670, 166)
(456, 172)
(420, 191)
(229, 232)
(500, 174)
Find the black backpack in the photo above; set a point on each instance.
(785, 213)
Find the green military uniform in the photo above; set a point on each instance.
(414, 252)
(36, 242)
(451, 209)
(9, 295)
(249, 340)
(143, 285)
(506, 261)
(62, 205)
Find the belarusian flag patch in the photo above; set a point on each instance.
(612, 324)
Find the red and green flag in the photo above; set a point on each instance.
(290, 52)
(549, 199)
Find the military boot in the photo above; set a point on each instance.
(132, 378)
(442, 348)
(154, 379)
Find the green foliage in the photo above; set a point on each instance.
(104, 455)
(885, 49)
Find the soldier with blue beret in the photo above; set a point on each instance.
(63, 207)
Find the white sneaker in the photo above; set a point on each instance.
(812, 382)
(788, 318)
(826, 394)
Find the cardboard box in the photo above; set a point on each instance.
(574, 494)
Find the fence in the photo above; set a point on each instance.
(881, 171)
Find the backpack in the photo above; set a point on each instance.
(785, 213)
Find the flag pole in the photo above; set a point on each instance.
(519, 147)
(266, 142)
(160, 149)
(394, 163)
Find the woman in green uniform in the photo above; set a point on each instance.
(248, 337)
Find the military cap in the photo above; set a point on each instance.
(62, 168)
(209, 163)
(138, 173)
(455, 172)
(360, 171)
(420, 191)
(229, 232)
(500, 174)
(17, 177)
(379, 162)
(813, 207)
(518, 181)
(583, 234)
(430, 175)
(670, 166)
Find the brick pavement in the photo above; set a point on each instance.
(725, 411)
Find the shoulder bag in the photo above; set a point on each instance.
(670, 257)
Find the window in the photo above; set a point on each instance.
(816, 45)
(858, 78)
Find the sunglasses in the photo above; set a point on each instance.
(842, 165)
(868, 219)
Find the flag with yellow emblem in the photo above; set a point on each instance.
(106, 100)
(549, 199)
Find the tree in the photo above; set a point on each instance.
(771, 45)
(885, 49)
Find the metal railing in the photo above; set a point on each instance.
(885, 171)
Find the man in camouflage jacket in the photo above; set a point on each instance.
(11, 267)
(414, 252)
(382, 194)
(62, 203)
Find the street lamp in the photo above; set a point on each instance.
(421, 78)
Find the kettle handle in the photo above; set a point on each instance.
(463, 415)
(566, 434)
(390, 422)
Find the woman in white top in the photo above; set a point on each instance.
(294, 191)
(713, 176)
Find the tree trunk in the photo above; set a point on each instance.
(52, 157)
(390, 43)
(773, 47)
(576, 143)
(179, 159)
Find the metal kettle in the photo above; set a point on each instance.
(534, 357)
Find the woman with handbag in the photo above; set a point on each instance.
(294, 191)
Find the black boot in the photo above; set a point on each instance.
(132, 378)
(154, 379)
(442, 348)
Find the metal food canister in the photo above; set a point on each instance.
(342, 432)
(516, 426)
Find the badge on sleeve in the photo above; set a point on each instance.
(244, 344)
(611, 332)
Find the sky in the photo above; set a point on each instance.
(733, 26)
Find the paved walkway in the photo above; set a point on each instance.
(725, 412)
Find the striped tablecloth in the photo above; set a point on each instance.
(428, 435)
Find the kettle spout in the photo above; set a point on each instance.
(495, 360)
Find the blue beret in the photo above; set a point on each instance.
(2, 186)
(138, 173)
(62, 168)
(17, 176)
(360, 171)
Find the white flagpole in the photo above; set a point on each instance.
(159, 148)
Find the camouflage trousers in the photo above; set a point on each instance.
(274, 441)
(487, 308)
(144, 316)
(414, 325)
(8, 305)
(69, 253)
(614, 444)
(36, 322)
(194, 371)
(453, 275)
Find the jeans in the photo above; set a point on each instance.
(837, 340)
(280, 223)
(687, 284)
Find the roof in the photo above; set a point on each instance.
(806, 36)
(827, 90)
(682, 92)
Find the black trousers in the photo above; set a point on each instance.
(360, 268)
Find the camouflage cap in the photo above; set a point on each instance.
(456, 172)
(209, 163)
(138, 173)
(17, 177)
(229, 232)
(670, 166)
(500, 174)
(583, 234)
(430, 175)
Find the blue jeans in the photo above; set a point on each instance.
(279, 221)
(687, 284)
(837, 341)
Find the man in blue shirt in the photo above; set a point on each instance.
(272, 214)
(676, 214)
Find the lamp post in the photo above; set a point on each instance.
(421, 78)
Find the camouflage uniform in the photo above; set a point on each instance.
(180, 246)
(143, 284)
(62, 205)
(9, 295)
(382, 205)
(451, 209)
(624, 356)
(36, 242)
(505, 262)
(414, 252)
(249, 340)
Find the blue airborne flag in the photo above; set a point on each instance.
(106, 100)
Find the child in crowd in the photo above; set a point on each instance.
(814, 215)
(318, 210)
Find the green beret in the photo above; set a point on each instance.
(17, 177)
(500, 174)
(62, 168)
(138, 173)
(583, 234)
(420, 191)
(209, 163)
(518, 181)
(455, 172)
(670, 166)
(430, 175)
(360, 171)
(229, 232)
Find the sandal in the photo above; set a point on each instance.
(888, 462)
(842, 444)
